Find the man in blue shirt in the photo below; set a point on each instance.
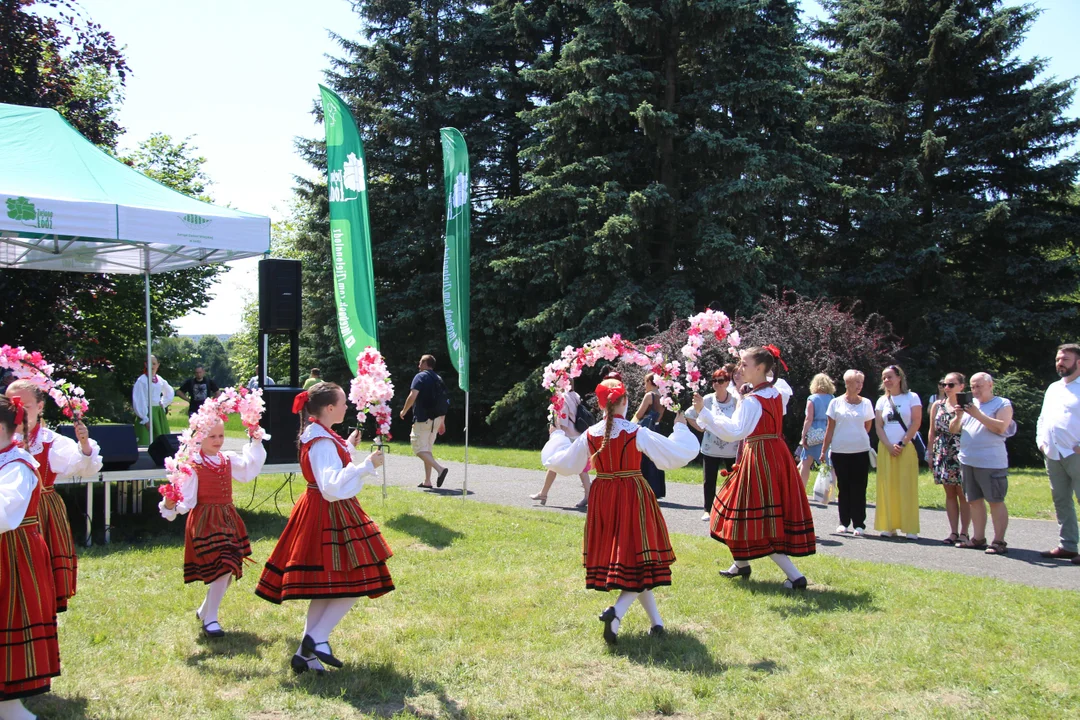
(428, 400)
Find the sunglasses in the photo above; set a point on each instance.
(946, 384)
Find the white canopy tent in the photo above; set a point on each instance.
(67, 205)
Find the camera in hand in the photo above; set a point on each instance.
(963, 399)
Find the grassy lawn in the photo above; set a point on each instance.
(1029, 490)
(491, 620)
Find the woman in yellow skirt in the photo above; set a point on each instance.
(898, 415)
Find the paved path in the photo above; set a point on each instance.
(683, 509)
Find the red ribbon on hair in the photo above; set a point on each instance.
(608, 396)
(20, 409)
(299, 402)
(775, 352)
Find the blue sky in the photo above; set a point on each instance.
(240, 77)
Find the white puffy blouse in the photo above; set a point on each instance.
(570, 457)
(246, 466)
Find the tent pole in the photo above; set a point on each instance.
(149, 365)
(465, 484)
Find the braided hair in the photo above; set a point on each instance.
(8, 413)
(609, 415)
(319, 396)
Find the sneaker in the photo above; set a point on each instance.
(913, 536)
(857, 532)
(841, 529)
(705, 517)
(885, 534)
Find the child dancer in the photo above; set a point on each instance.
(626, 539)
(215, 539)
(762, 510)
(330, 552)
(57, 456)
(31, 652)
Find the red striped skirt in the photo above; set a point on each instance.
(626, 537)
(29, 648)
(215, 543)
(327, 550)
(56, 529)
(762, 508)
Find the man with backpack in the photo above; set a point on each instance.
(429, 401)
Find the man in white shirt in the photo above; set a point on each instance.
(1058, 437)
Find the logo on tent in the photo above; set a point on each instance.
(23, 210)
(195, 221)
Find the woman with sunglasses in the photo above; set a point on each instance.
(944, 457)
(716, 454)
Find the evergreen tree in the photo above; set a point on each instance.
(672, 171)
(954, 219)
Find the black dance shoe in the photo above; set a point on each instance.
(309, 646)
(658, 631)
(797, 584)
(743, 572)
(219, 633)
(608, 617)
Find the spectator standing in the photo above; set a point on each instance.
(822, 390)
(428, 401)
(943, 450)
(898, 415)
(649, 415)
(984, 462)
(716, 453)
(253, 383)
(315, 377)
(1058, 437)
(847, 441)
(196, 390)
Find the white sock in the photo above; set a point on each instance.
(626, 599)
(648, 601)
(14, 710)
(316, 608)
(215, 593)
(785, 564)
(335, 610)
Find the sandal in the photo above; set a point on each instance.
(998, 547)
(979, 544)
(952, 539)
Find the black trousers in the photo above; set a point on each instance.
(852, 470)
(711, 467)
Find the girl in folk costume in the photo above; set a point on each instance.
(31, 652)
(330, 552)
(57, 456)
(215, 538)
(626, 539)
(154, 406)
(762, 509)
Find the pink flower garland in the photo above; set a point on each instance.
(248, 403)
(371, 391)
(31, 366)
(709, 322)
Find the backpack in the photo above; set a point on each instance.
(583, 419)
(440, 401)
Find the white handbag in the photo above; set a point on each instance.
(873, 458)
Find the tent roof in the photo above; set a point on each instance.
(65, 204)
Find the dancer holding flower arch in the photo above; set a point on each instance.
(762, 510)
(626, 539)
(215, 539)
(330, 552)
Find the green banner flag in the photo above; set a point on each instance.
(456, 255)
(350, 235)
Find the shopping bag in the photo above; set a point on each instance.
(824, 485)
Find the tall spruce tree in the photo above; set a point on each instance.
(672, 171)
(954, 221)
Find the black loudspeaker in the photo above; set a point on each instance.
(282, 424)
(164, 447)
(279, 295)
(119, 449)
